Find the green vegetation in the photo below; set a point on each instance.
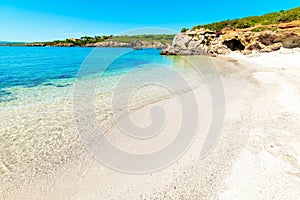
(258, 29)
(163, 38)
(183, 30)
(273, 29)
(85, 40)
(271, 18)
(76, 42)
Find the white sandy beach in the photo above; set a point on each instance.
(257, 155)
(268, 167)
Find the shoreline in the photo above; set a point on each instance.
(98, 176)
(254, 144)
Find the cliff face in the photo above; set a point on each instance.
(197, 42)
(260, 38)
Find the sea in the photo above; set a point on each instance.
(38, 132)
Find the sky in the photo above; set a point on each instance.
(45, 20)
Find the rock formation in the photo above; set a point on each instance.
(262, 39)
(196, 42)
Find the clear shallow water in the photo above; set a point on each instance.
(37, 128)
(29, 67)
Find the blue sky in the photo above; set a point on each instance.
(38, 20)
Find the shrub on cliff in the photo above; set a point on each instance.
(258, 29)
(271, 18)
(163, 38)
(183, 30)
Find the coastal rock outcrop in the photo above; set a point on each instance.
(262, 39)
(198, 42)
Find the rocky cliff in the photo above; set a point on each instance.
(260, 38)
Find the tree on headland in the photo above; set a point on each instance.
(183, 30)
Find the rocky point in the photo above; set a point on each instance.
(259, 39)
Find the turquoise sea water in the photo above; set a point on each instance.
(37, 129)
(30, 67)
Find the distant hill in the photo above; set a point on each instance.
(164, 38)
(8, 42)
(247, 22)
(149, 40)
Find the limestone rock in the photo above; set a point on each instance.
(206, 42)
